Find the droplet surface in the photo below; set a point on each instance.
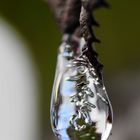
(80, 108)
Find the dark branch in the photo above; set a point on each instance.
(67, 13)
(76, 17)
(86, 23)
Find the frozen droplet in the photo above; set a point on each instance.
(80, 107)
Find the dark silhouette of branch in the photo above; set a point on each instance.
(67, 13)
(86, 23)
(75, 17)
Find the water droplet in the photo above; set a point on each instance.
(80, 107)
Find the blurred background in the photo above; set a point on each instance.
(29, 38)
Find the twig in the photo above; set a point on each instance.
(75, 17)
(67, 13)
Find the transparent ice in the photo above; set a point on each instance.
(80, 108)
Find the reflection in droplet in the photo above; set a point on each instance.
(80, 107)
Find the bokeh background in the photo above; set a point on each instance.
(29, 38)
